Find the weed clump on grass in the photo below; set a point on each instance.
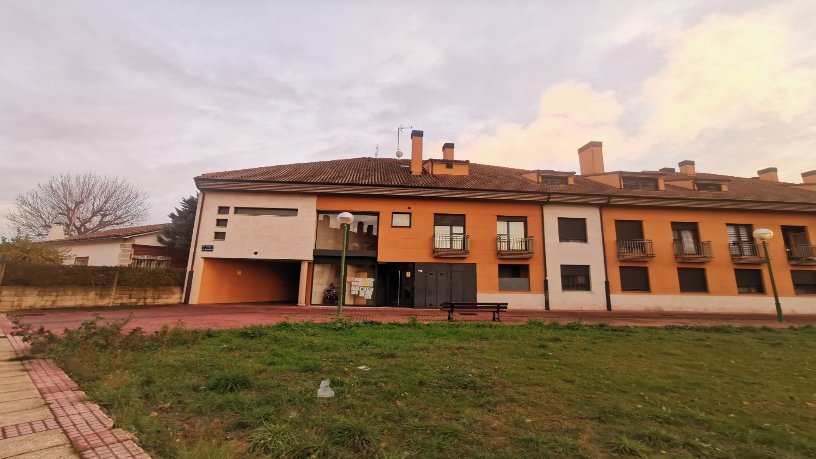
(629, 447)
(354, 435)
(547, 446)
(253, 332)
(281, 441)
(229, 382)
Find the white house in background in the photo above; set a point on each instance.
(136, 246)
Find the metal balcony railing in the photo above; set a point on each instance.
(745, 252)
(693, 251)
(450, 245)
(514, 246)
(802, 254)
(635, 249)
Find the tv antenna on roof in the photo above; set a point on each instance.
(401, 130)
(377, 151)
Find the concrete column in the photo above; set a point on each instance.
(304, 275)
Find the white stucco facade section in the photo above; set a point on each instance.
(100, 253)
(273, 237)
(147, 239)
(588, 253)
(743, 304)
(514, 300)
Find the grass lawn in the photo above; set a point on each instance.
(453, 390)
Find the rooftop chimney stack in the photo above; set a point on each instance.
(590, 156)
(56, 233)
(809, 176)
(447, 151)
(769, 174)
(687, 167)
(416, 152)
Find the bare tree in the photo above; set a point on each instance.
(82, 203)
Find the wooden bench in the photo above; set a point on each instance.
(456, 306)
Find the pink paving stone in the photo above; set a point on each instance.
(88, 428)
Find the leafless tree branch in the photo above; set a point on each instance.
(82, 203)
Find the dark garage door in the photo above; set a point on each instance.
(436, 283)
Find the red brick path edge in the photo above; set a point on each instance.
(89, 429)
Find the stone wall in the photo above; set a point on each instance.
(20, 298)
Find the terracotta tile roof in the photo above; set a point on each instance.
(116, 233)
(396, 173)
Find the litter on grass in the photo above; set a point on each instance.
(324, 391)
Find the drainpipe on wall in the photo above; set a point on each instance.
(188, 283)
(544, 257)
(603, 247)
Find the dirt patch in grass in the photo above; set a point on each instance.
(452, 390)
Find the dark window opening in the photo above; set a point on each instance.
(741, 240)
(749, 281)
(81, 261)
(221, 222)
(575, 278)
(640, 183)
(554, 180)
(692, 280)
(797, 243)
(223, 210)
(220, 236)
(449, 232)
(804, 282)
(514, 278)
(709, 187)
(572, 229)
(266, 211)
(634, 279)
(629, 230)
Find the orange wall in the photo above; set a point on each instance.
(414, 244)
(712, 227)
(246, 281)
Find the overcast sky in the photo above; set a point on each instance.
(161, 91)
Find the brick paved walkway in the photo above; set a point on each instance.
(43, 414)
(235, 316)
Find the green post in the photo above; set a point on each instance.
(342, 296)
(773, 281)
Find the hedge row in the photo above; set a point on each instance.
(39, 275)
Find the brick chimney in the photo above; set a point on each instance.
(809, 176)
(687, 167)
(416, 152)
(590, 157)
(447, 151)
(769, 174)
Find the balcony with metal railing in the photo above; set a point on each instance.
(635, 249)
(514, 247)
(692, 251)
(745, 252)
(451, 245)
(801, 254)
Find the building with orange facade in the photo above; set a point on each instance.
(429, 230)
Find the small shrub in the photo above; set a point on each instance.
(229, 382)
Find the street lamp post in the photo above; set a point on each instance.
(763, 234)
(345, 219)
